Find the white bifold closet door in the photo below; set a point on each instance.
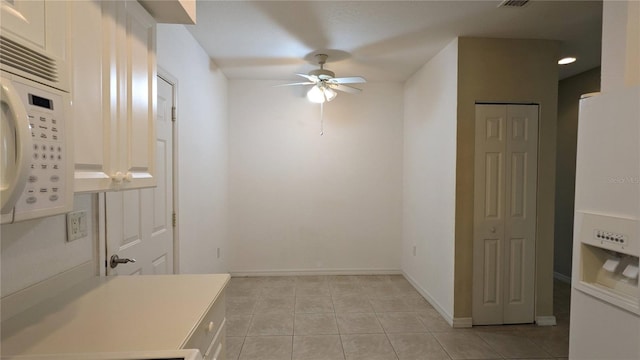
(506, 146)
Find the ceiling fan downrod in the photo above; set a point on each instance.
(321, 73)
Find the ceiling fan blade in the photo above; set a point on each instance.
(348, 80)
(309, 77)
(294, 84)
(345, 88)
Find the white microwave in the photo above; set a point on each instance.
(36, 154)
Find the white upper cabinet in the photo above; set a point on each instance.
(171, 11)
(112, 51)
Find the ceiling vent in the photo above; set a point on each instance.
(21, 58)
(513, 3)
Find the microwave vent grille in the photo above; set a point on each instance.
(24, 59)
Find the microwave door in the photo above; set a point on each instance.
(15, 145)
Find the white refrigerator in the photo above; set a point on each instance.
(605, 297)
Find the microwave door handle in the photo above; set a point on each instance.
(23, 143)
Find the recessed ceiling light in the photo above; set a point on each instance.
(566, 60)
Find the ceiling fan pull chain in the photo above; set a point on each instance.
(321, 119)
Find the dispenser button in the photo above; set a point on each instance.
(31, 200)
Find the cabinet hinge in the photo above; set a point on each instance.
(173, 113)
(174, 219)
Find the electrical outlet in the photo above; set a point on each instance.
(414, 250)
(76, 225)
(218, 253)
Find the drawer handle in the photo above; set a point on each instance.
(210, 327)
(218, 351)
(216, 354)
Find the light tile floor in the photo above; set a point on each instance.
(369, 317)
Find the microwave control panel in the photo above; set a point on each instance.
(45, 191)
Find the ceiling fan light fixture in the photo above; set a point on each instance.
(329, 93)
(316, 95)
(319, 94)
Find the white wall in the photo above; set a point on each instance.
(430, 120)
(620, 44)
(301, 202)
(202, 151)
(35, 250)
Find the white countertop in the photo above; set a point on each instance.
(123, 313)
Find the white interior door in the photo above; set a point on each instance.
(140, 222)
(505, 214)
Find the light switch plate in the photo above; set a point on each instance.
(76, 225)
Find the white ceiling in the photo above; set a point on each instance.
(380, 40)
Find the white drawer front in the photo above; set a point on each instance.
(210, 329)
(215, 350)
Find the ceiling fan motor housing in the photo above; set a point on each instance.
(322, 74)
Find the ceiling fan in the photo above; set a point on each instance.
(325, 83)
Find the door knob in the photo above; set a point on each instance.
(492, 229)
(115, 260)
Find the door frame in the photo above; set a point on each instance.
(101, 249)
(173, 81)
(537, 233)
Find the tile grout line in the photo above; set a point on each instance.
(335, 317)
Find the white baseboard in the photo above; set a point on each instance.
(302, 272)
(447, 317)
(562, 277)
(546, 320)
(460, 323)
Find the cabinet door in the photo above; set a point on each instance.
(91, 95)
(114, 87)
(139, 105)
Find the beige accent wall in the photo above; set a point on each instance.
(517, 71)
(569, 91)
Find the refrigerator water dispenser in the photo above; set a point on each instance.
(609, 259)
